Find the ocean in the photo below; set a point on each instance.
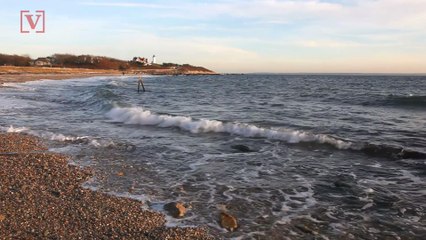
(291, 156)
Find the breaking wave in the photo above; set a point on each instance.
(44, 134)
(95, 142)
(136, 115)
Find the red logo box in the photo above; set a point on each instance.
(33, 22)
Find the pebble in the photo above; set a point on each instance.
(175, 209)
(228, 221)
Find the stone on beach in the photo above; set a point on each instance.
(241, 148)
(228, 221)
(175, 209)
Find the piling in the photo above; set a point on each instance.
(140, 84)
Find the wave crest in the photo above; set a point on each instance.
(137, 115)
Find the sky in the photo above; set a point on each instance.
(239, 36)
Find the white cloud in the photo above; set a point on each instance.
(212, 53)
(388, 12)
(327, 44)
(126, 5)
(365, 36)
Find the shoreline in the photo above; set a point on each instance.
(12, 74)
(41, 196)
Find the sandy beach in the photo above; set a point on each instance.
(14, 74)
(24, 74)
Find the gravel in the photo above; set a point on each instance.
(41, 198)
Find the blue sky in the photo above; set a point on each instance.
(352, 36)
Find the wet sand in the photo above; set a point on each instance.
(41, 198)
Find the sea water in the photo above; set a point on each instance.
(291, 156)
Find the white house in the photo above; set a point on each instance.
(43, 62)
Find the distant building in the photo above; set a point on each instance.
(140, 60)
(153, 60)
(42, 62)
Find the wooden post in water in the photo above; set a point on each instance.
(140, 83)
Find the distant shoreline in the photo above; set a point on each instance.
(13, 74)
(69, 62)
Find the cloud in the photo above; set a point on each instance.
(249, 35)
(216, 54)
(359, 15)
(126, 5)
(327, 44)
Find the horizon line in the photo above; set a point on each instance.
(325, 73)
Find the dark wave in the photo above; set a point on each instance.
(407, 100)
(392, 152)
(399, 101)
(101, 99)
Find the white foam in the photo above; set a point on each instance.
(368, 205)
(19, 86)
(12, 129)
(116, 83)
(137, 115)
(289, 212)
(56, 136)
(376, 165)
(408, 175)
